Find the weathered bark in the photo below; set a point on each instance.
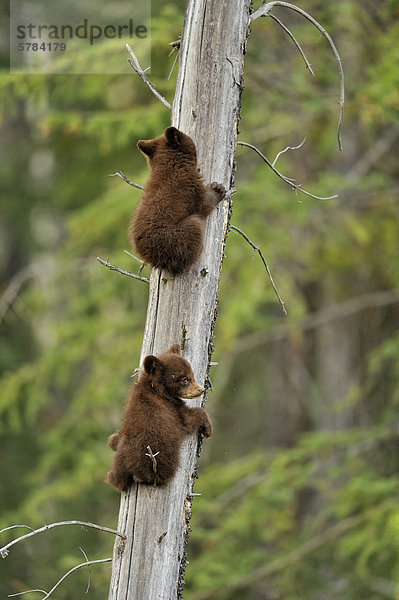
(150, 565)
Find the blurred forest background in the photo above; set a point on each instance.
(300, 480)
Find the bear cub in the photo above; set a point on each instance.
(167, 228)
(156, 421)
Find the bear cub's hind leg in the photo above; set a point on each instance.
(119, 478)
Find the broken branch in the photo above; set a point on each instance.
(27, 592)
(136, 67)
(175, 48)
(257, 249)
(89, 577)
(175, 45)
(264, 11)
(142, 263)
(152, 456)
(122, 176)
(48, 594)
(283, 177)
(16, 527)
(13, 290)
(286, 149)
(135, 257)
(154, 463)
(5, 549)
(285, 28)
(122, 271)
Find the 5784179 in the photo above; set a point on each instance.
(43, 47)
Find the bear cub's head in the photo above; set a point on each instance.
(171, 143)
(170, 374)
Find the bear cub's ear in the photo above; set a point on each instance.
(175, 349)
(173, 137)
(147, 147)
(152, 364)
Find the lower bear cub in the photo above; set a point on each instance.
(167, 228)
(156, 421)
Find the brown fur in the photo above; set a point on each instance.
(157, 417)
(167, 228)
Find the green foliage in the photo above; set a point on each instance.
(252, 518)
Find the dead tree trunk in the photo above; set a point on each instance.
(150, 565)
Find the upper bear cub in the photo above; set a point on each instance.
(157, 417)
(167, 226)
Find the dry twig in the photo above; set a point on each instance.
(286, 149)
(285, 28)
(122, 176)
(5, 549)
(152, 456)
(135, 257)
(27, 592)
(112, 267)
(288, 180)
(257, 249)
(16, 527)
(175, 48)
(48, 594)
(142, 263)
(89, 577)
(264, 11)
(173, 66)
(136, 67)
(13, 290)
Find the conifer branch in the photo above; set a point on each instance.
(13, 290)
(291, 558)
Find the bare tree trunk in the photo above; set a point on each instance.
(151, 564)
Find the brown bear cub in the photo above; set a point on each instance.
(156, 421)
(167, 228)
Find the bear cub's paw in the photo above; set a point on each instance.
(206, 427)
(219, 190)
(113, 440)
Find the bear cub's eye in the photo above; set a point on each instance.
(184, 381)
